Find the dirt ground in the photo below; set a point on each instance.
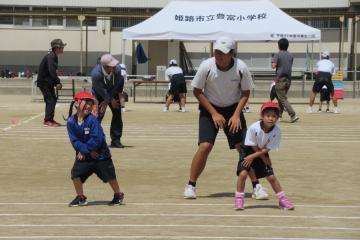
(317, 165)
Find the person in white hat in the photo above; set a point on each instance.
(107, 86)
(177, 86)
(222, 86)
(325, 70)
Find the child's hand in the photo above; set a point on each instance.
(218, 120)
(80, 156)
(247, 161)
(94, 155)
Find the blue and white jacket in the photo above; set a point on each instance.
(88, 136)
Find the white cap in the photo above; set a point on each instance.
(325, 54)
(224, 44)
(173, 62)
(108, 60)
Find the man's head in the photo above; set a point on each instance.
(224, 51)
(108, 62)
(283, 44)
(325, 55)
(173, 62)
(57, 45)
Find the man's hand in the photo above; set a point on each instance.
(247, 161)
(59, 86)
(218, 120)
(94, 155)
(102, 106)
(115, 104)
(235, 124)
(80, 156)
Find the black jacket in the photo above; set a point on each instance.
(47, 70)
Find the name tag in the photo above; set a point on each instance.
(87, 130)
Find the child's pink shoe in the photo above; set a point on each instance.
(239, 200)
(284, 203)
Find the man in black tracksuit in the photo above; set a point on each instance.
(47, 80)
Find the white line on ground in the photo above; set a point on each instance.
(167, 215)
(165, 237)
(21, 122)
(180, 204)
(179, 226)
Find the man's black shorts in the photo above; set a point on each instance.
(208, 131)
(104, 169)
(260, 168)
(178, 84)
(323, 79)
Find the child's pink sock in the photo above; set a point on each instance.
(239, 194)
(280, 195)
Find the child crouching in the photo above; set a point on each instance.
(261, 137)
(92, 152)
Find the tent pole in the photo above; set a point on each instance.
(123, 51)
(312, 60)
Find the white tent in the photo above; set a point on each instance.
(257, 20)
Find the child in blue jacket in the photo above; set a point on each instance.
(92, 153)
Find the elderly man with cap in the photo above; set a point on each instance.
(48, 80)
(325, 70)
(177, 86)
(222, 86)
(107, 86)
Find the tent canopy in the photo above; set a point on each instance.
(258, 20)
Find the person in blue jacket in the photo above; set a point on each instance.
(107, 86)
(92, 153)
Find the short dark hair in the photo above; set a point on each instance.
(283, 44)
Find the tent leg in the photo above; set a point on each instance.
(123, 51)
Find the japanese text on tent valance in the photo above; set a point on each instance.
(219, 17)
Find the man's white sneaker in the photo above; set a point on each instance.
(189, 192)
(309, 110)
(259, 193)
(165, 109)
(336, 110)
(183, 110)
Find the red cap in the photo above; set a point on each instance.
(83, 95)
(269, 105)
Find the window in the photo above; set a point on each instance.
(72, 21)
(136, 15)
(39, 21)
(22, 21)
(55, 21)
(90, 21)
(6, 19)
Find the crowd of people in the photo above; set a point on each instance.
(222, 86)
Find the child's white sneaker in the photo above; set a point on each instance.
(309, 110)
(336, 110)
(259, 193)
(165, 109)
(189, 192)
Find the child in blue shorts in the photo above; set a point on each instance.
(92, 152)
(261, 137)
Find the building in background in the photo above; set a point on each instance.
(27, 28)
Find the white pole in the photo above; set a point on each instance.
(123, 51)
(81, 19)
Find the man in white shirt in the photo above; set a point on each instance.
(325, 70)
(222, 86)
(177, 87)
